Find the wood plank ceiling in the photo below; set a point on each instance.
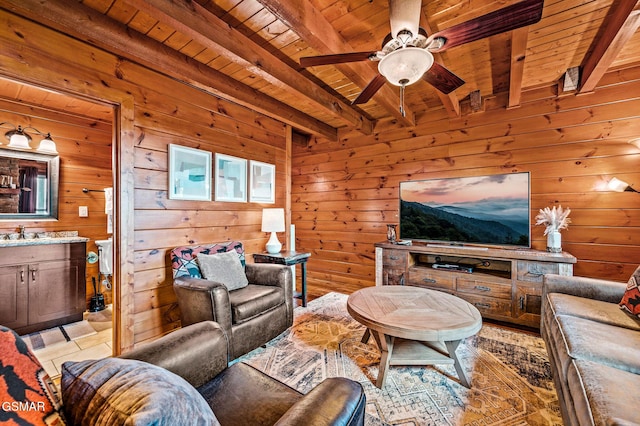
(251, 51)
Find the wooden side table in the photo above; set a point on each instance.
(289, 258)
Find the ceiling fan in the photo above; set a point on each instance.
(406, 54)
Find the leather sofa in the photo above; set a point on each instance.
(250, 316)
(239, 394)
(594, 350)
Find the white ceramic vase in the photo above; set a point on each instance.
(554, 242)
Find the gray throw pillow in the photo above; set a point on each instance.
(115, 391)
(224, 268)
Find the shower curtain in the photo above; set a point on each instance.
(28, 184)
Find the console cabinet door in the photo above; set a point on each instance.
(13, 296)
(528, 304)
(394, 263)
(55, 290)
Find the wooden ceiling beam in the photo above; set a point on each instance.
(450, 102)
(620, 24)
(519, 39)
(309, 23)
(84, 23)
(193, 20)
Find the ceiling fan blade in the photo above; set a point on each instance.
(442, 79)
(338, 58)
(526, 12)
(371, 89)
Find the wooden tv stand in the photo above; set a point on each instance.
(504, 284)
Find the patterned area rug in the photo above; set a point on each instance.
(509, 372)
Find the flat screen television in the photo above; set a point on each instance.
(488, 210)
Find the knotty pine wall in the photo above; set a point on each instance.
(164, 111)
(84, 145)
(344, 193)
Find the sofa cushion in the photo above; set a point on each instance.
(224, 268)
(125, 391)
(579, 338)
(631, 300)
(229, 391)
(596, 310)
(254, 300)
(183, 259)
(27, 394)
(603, 395)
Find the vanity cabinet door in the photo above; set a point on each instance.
(13, 296)
(56, 290)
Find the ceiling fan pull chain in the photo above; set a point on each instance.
(402, 111)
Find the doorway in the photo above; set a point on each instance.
(84, 132)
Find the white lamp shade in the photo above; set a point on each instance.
(405, 66)
(17, 139)
(47, 146)
(273, 220)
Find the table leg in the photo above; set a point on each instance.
(451, 347)
(303, 267)
(365, 336)
(386, 351)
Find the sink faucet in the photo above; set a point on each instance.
(21, 232)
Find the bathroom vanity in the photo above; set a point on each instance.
(42, 283)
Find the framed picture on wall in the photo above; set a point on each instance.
(189, 173)
(231, 178)
(262, 185)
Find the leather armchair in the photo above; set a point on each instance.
(250, 316)
(240, 394)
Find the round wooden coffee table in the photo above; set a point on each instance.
(414, 326)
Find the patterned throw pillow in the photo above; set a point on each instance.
(631, 299)
(224, 268)
(184, 263)
(27, 395)
(115, 391)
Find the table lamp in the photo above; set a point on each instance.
(273, 221)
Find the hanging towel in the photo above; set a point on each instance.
(108, 208)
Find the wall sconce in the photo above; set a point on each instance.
(19, 139)
(618, 185)
(273, 221)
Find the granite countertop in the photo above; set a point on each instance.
(40, 238)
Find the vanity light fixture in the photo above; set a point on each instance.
(20, 139)
(618, 185)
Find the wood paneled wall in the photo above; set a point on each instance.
(344, 193)
(84, 146)
(164, 111)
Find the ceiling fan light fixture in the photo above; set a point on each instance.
(404, 67)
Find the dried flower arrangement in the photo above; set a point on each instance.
(554, 219)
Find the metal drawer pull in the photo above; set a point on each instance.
(535, 274)
(22, 276)
(482, 305)
(394, 258)
(482, 288)
(429, 280)
(33, 275)
(521, 302)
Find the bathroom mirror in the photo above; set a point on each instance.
(28, 185)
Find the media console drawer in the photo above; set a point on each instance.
(489, 306)
(484, 288)
(503, 284)
(425, 277)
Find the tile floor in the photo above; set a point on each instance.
(95, 346)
